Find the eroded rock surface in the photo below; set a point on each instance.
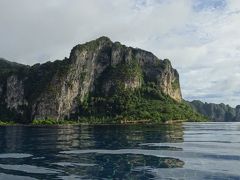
(55, 89)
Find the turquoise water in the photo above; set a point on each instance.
(184, 151)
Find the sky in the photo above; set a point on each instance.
(200, 37)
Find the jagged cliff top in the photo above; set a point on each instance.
(100, 79)
(90, 44)
(106, 40)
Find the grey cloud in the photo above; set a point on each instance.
(202, 45)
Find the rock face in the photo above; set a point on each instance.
(217, 112)
(55, 89)
(15, 94)
(237, 117)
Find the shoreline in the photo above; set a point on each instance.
(123, 123)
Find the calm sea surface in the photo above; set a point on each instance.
(184, 151)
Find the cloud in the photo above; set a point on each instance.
(200, 37)
(206, 5)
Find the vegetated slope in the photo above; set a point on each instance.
(101, 81)
(217, 112)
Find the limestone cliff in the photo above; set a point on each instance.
(217, 112)
(99, 68)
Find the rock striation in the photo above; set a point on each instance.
(56, 89)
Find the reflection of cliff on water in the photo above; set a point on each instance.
(46, 138)
(118, 166)
(130, 136)
(124, 165)
(99, 145)
(57, 138)
(12, 138)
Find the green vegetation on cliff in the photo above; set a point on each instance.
(146, 104)
(7, 123)
(216, 112)
(100, 82)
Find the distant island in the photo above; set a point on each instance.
(217, 112)
(101, 82)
